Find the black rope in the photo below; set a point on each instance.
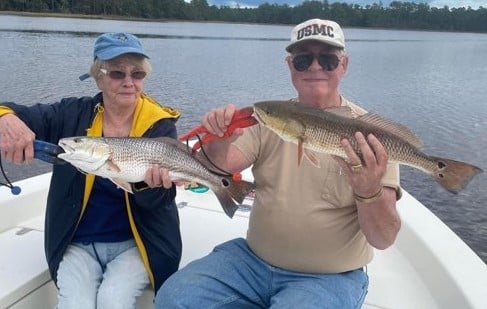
(14, 189)
(222, 172)
(103, 267)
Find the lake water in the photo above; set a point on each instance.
(433, 82)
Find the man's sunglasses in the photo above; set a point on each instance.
(302, 62)
(121, 75)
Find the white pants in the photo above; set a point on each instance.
(101, 276)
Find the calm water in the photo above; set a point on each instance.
(434, 83)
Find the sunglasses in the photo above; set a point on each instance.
(121, 75)
(302, 62)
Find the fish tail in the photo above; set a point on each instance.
(234, 191)
(228, 205)
(454, 175)
(239, 189)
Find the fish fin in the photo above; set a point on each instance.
(233, 191)
(81, 171)
(112, 166)
(390, 126)
(239, 189)
(308, 154)
(122, 184)
(342, 111)
(174, 142)
(228, 205)
(454, 175)
(311, 156)
(300, 151)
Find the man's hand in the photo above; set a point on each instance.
(364, 174)
(217, 120)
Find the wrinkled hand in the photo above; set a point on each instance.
(16, 140)
(157, 176)
(217, 120)
(364, 175)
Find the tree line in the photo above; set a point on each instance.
(398, 15)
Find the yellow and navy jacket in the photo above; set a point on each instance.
(153, 214)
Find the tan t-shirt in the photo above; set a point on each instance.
(304, 218)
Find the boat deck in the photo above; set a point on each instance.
(426, 268)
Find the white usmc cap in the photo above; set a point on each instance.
(318, 30)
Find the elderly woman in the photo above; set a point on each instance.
(103, 245)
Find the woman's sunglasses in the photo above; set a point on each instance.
(329, 62)
(121, 75)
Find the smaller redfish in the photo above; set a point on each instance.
(126, 160)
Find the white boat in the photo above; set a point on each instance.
(429, 266)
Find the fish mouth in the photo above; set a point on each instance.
(65, 146)
(257, 115)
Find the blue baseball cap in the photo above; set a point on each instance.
(111, 45)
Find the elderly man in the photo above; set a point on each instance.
(311, 230)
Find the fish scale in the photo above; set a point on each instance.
(135, 162)
(126, 160)
(321, 130)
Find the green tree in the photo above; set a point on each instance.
(398, 15)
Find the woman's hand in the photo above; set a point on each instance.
(157, 177)
(16, 140)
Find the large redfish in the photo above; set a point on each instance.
(321, 130)
(126, 160)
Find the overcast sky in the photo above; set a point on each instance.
(438, 3)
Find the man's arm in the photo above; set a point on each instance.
(379, 219)
(221, 152)
(376, 205)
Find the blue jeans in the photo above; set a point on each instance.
(232, 276)
(101, 275)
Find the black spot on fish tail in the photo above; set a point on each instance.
(454, 175)
(232, 193)
(225, 182)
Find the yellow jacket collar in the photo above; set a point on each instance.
(147, 113)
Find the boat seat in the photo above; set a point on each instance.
(23, 262)
(419, 271)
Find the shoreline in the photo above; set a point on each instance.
(81, 16)
(127, 18)
(165, 20)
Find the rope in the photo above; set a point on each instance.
(14, 189)
(221, 172)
